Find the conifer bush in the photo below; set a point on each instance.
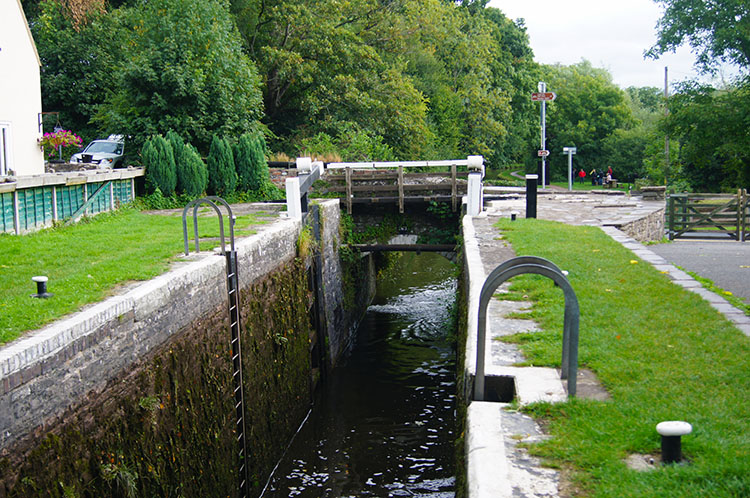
(250, 162)
(222, 176)
(195, 174)
(178, 144)
(158, 159)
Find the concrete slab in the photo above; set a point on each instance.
(486, 461)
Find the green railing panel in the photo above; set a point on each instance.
(6, 212)
(123, 191)
(102, 201)
(69, 199)
(34, 208)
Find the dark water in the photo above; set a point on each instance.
(384, 424)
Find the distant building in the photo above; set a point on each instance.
(20, 95)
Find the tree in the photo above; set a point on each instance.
(178, 147)
(588, 109)
(717, 31)
(158, 158)
(77, 62)
(184, 69)
(711, 128)
(222, 177)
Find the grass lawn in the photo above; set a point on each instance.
(662, 353)
(84, 262)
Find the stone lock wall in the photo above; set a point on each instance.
(133, 396)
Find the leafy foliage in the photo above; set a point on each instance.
(711, 127)
(158, 158)
(183, 69)
(588, 109)
(194, 178)
(717, 31)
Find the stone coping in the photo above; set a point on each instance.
(72, 178)
(18, 358)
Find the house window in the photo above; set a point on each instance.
(4, 148)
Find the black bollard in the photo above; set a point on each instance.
(671, 433)
(531, 184)
(41, 287)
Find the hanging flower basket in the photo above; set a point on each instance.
(53, 143)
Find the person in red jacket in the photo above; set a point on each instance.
(581, 176)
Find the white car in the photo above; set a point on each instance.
(106, 153)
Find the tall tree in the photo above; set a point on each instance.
(711, 127)
(184, 69)
(718, 31)
(589, 107)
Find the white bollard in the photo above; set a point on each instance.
(475, 194)
(293, 200)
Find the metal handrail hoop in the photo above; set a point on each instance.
(540, 266)
(196, 203)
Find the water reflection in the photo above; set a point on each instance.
(383, 425)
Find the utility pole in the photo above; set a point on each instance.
(666, 136)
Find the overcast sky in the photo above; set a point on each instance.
(612, 34)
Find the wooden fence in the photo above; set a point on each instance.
(39, 201)
(709, 216)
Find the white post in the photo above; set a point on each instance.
(475, 194)
(304, 165)
(293, 201)
(570, 151)
(54, 203)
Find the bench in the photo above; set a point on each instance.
(611, 184)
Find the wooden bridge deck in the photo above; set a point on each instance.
(396, 187)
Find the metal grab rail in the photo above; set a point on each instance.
(233, 294)
(196, 203)
(540, 266)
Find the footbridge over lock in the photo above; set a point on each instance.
(417, 203)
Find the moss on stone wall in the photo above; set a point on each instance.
(166, 428)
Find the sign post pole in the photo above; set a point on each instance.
(543, 89)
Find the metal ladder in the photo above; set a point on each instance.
(234, 320)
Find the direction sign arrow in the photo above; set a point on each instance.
(543, 153)
(540, 96)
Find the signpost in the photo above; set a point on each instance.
(570, 151)
(543, 96)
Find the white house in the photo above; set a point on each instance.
(20, 94)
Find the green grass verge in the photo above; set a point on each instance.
(662, 353)
(710, 285)
(84, 262)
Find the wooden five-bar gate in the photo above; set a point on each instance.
(709, 215)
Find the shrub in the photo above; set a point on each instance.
(158, 158)
(250, 161)
(195, 174)
(222, 177)
(178, 144)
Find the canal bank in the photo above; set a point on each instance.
(133, 395)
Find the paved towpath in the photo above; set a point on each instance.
(727, 263)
